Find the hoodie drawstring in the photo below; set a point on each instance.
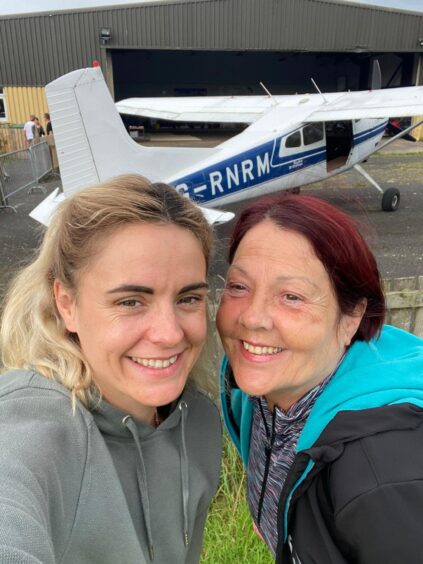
(128, 422)
(184, 471)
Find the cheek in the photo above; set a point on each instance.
(98, 338)
(226, 317)
(196, 330)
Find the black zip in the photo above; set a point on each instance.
(268, 450)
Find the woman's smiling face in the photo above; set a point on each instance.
(140, 314)
(279, 319)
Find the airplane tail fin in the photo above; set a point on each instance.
(91, 141)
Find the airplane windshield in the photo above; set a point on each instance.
(313, 133)
(293, 140)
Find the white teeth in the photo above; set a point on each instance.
(261, 350)
(153, 363)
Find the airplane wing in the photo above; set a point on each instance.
(399, 102)
(407, 101)
(212, 109)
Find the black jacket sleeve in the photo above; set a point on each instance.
(385, 524)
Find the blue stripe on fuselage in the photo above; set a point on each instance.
(369, 133)
(246, 170)
(256, 166)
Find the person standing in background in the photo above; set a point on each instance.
(39, 129)
(49, 127)
(29, 131)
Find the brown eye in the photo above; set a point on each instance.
(130, 302)
(292, 298)
(191, 300)
(234, 289)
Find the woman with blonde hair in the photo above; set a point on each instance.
(109, 450)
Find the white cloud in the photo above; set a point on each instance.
(414, 5)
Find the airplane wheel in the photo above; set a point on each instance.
(390, 199)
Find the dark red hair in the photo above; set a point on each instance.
(337, 243)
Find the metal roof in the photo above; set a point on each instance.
(37, 48)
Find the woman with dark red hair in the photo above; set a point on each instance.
(323, 402)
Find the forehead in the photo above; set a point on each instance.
(140, 250)
(268, 238)
(269, 248)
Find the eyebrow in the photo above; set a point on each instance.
(278, 278)
(137, 289)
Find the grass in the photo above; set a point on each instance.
(229, 536)
(398, 154)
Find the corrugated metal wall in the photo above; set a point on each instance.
(36, 49)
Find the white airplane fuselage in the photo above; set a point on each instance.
(289, 159)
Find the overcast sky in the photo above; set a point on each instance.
(22, 6)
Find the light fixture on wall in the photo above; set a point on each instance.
(421, 41)
(105, 35)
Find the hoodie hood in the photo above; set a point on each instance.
(109, 420)
(385, 371)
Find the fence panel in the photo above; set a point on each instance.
(404, 299)
(23, 169)
(41, 160)
(11, 139)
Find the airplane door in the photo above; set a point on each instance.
(339, 142)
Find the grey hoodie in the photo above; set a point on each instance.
(99, 487)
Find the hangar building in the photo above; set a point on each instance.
(208, 47)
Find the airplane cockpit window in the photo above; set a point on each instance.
(313, 133)
(293, 140)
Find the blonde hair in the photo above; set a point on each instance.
(33, 334)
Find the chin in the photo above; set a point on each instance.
(158, 398)
(249, 385)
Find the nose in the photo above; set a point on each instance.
(257, 314)
(165, 327)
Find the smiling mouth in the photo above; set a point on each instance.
(155, 363)
(261, 350)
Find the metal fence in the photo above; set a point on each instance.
(22, 170)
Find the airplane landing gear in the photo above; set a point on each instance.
(390, 197)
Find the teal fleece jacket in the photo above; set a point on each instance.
(98, 487)
(385, 371)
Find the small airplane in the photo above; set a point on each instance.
(290, 141)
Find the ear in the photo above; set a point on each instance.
(350, 322)
(65, 303)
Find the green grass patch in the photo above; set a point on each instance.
(229, 536)
(398, 154)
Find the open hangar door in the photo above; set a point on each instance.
(183, 73)
(145, 73)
